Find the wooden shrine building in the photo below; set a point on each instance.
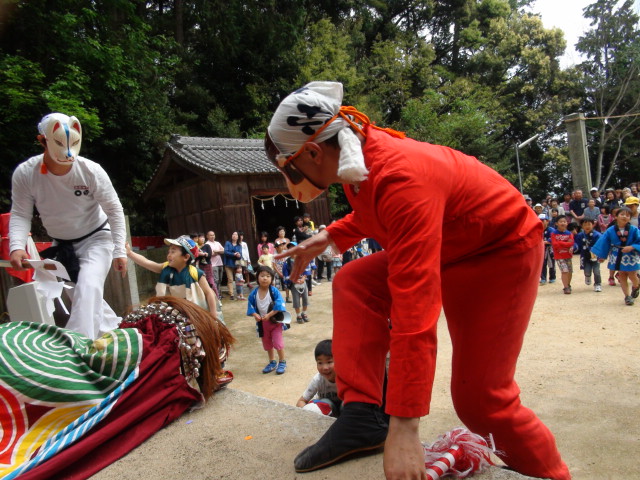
(226, 185)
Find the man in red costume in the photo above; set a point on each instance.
(447, 223)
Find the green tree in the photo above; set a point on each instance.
(612, 83)
(99, 62)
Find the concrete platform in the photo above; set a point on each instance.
(213, 443)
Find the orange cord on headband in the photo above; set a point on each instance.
(348, 111)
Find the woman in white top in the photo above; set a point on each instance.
(246, 258)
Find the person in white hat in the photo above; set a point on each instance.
(595, 195)
(80, 210)
(406, 195)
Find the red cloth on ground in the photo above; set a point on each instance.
(159, 396)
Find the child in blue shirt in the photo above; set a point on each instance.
(620, 243)
(584, 240)
(178, 277)
(264, 303)
(548, 262)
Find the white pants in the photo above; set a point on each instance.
(90, 314)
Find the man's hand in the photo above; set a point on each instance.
(403, 452)
(16, 258)
(305, 252)
(120, 265)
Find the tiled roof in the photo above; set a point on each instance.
(208, 157)
(222, 156)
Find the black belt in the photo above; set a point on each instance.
(64, 252)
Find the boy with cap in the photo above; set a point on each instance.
(178, 277)
(315, 142)
(80, 210)
(632, 204)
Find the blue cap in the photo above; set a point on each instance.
(185, 242)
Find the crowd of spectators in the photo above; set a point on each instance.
(573, 225)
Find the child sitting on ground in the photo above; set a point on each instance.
(178, 277)
(562, 243)
(586, 239)
(266, 258)
(265, 302)
(322, 393)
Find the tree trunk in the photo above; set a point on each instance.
(178, 8)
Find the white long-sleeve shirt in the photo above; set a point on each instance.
(70, 205)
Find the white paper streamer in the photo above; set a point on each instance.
(47, 283)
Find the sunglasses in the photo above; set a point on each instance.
(284, 162)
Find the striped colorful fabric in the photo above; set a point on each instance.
(55, 385)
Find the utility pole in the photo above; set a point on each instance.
(578, 154)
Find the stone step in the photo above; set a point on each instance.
(243, 436)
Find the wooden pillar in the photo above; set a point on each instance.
(578, 154)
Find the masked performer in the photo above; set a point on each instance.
(70, 406)
(433, 210)
(80, 211)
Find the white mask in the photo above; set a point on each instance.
(63, 135)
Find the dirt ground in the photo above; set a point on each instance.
(579, 371)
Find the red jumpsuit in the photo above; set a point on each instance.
(459, 236)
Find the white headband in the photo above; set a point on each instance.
(306, 110)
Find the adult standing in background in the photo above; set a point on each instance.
(610, 199)
(300, 231)
(595, 194)
(281, 236)
(577, 206)
(232, 254)
(246, 259)
(325, 259)
(566, 206)
(264, 240)
(217, 251)
(82, 213)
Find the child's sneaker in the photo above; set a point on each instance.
(299, 319)
(597, 287)
(543, 282)
(271, 366)
(612, 282)
(553, 280)
(282, 366)
(567, 290)
(635, 291)
(305, 319)
(628, 300)
(587, 280)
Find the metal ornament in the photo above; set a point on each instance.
(190, 345)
